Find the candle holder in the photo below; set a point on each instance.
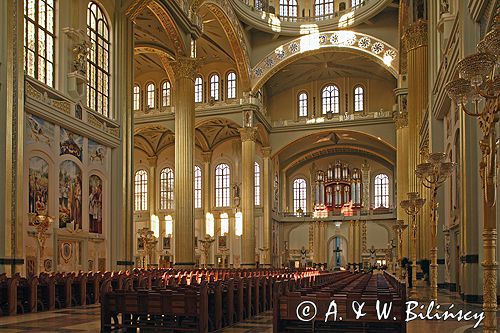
(399, 227)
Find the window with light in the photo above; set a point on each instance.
(39, 36)
(198, 90)
(214, 87)
(150, 92)
(137, 97)
(98, 60)
(167, 188)
(356, 3)
(323, 7)
(381, 191)
(359, 99)
(141, 190)
(303, 104)
(299, 194)
(165, 93)
(231, 85)
(288, 8)
(197, 187)
(257, 184)
(330, 99)
(222, 187)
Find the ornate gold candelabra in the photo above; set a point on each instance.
(412, 206)
(399, 227)
(206, 244)
(480, 83)
(432, 175)
(150, 240)
(41, 224)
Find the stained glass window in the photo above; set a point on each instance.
(167, 188)
(150, 91)
(197, 187)
(165, 93)
(330, 99)
(257, 184)
(299, 194)
(141, 190)
(214, 87)
(359, 99)
(198, 90)
(137, 97)
(222, 188)
(231, 85)
(381, 191)
(303, 104)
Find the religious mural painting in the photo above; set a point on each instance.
(70, 195)
(95, 204)
(38, 193)
(71, 144)
(38, 130)
(97, 152)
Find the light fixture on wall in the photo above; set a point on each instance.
(155, 225)
(238, 230)
(168, 225)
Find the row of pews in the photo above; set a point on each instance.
(45, 292)
(310, 309)
(199, 301)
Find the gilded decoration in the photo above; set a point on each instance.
(266, 152)
(416, 35)
(400, 119)
(93, 121)
(169, 25)
(248, 133)
(135, 8)
(63, 106)
(185, 67)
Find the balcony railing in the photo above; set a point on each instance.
(333, 118)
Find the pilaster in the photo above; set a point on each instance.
(266, 204)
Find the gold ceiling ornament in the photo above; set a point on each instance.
(412, 207)
(479, 83)
(186, 67)
(416, 35)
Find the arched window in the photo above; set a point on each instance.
(357, 3)
(137, 97)
(167, 189)
(299, 194)
(257, 184)
(323, 7)
(198, 90)
(288, 8)
(197, 187)
(165, 93)
(98, 59)
(150, 91)
(381, 191)
(231, 85)
(214, 87)
(303, 104)
(330, 99)
(39, 49)
(222, 189)
(141, 190)
(359, 99)
(259, 4)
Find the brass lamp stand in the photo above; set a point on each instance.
(399, 227)
(412, 206)
(480, 83)
(432, 175)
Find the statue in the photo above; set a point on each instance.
(445, 7)
(80, 53)
(303, 256)
(373, 256)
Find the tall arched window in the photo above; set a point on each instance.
(137, 97)
(214, 87)
(141, 190)
(98, 59)
(303, 104)
(39, 49)
(323, 7)
(359, 99)
(299, 194)
(150, 94)
(381, 191)
(197, 187)
(330, 99)
(198, 90)
(167, 188)
(222, 188)
(288, 8)
(257, 184)
(165, 93)
(231, 85)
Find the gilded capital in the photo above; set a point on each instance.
(185, 67)
(207, 156)
(400, 119)
(266, 152)
(416, 35)
(248, 133)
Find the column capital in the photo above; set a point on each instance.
(207, 156)
(400, 119)
(266, 152)
(152, 160)
(185, 67)
(248, 133)
(416, 35)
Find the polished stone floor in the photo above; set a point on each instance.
(86, 319)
